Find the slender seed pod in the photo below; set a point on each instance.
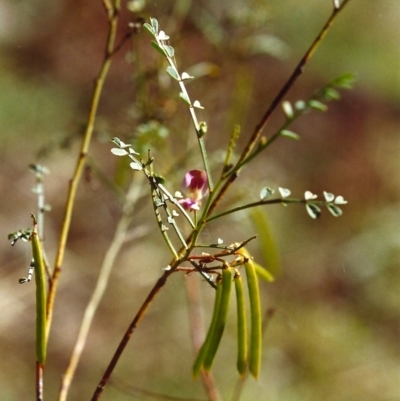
(223, 308)
(40, 297)
(198, 364)
(256, 319)
(241, 326)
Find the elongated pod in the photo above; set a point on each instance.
(256, 319)
(241, 326)
(198, 364)
(226, 284)
(40, 296)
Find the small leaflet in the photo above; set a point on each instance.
(197, 105)
(119, 152)
(340, 200)
(173, 72)
(313, 210)
(284, 192)
(329, 197)
(289, 134)
(266, 192)
(185, 98)
(162, 36)
(185, 75)
(288, 109)
(135, 166)
(308, 195)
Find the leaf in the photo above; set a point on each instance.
(329, 197)
(185, 76)
(313, 210)
(197, 105)
(135, 166)
(345, 81)
(149, 29)
(340, 200)
(308, 195)
(289, 134)
(173, 72)
(330, 94)
(169, 50)
(266, 192)
(288, 109)
(300, 105)
(119, 152)
(335, 210)
(284, 192)
(317, 105)
(185, 98)
(154, 24)
(162, 36)
(159, 48)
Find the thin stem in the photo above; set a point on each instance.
(261, 203)
(118, 241)
(197, 127)
(299, 69)
(113, 10)
(125, 339)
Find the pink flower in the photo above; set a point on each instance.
(195, 187)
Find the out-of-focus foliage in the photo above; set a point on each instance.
(334, 335)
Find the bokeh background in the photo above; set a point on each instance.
(334, 334)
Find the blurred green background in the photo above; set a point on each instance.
(335, 331)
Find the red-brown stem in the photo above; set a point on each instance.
(125, 339)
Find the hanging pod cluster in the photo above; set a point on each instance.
(248, 351)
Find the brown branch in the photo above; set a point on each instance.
(125, 339)
(73, 185)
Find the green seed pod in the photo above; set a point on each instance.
(256, 319)
(198, 364)
(40, 297)
(223, 308)
(241, 326)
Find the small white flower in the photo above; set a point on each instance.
(220, 241)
